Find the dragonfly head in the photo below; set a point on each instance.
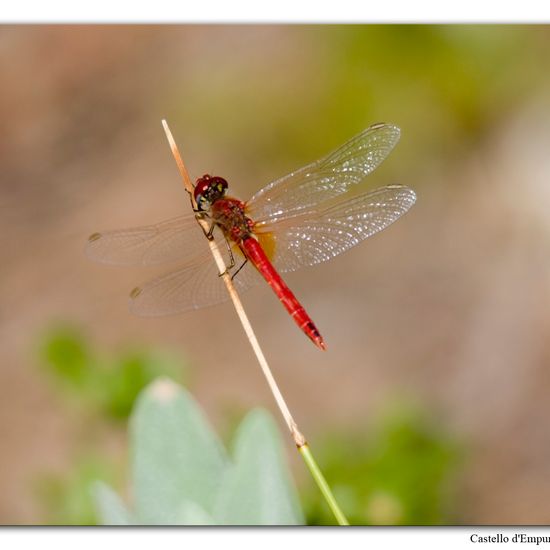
(208, 190)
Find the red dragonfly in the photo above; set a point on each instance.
(301, 219)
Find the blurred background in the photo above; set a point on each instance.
(431, 404)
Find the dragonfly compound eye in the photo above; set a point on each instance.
(219, 184)
(209, 189)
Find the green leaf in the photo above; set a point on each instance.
(66, 355)
(176, 454)
(257, 489)
(190, 513)
(117, 387)
(182, 475)
(109, 508)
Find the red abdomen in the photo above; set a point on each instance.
(254, 252)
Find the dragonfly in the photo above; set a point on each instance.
(302, 219)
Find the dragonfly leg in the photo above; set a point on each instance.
(240, 267)
(231, 259)
(200, 215)
(210, 233)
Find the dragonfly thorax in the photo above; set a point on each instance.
(209, 189)
(228, 214)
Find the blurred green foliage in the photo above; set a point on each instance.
(66, 499)
(109, 384)
(402, 471)
(103, 387)
(444, 85)
(183, 475)
(467, 73)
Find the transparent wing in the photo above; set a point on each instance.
(169, 241)
(195, 286)
(325, 179)
(301, 219)
(320, 233)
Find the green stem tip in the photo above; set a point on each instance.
(322, 483)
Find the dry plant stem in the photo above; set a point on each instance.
(298, 437)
